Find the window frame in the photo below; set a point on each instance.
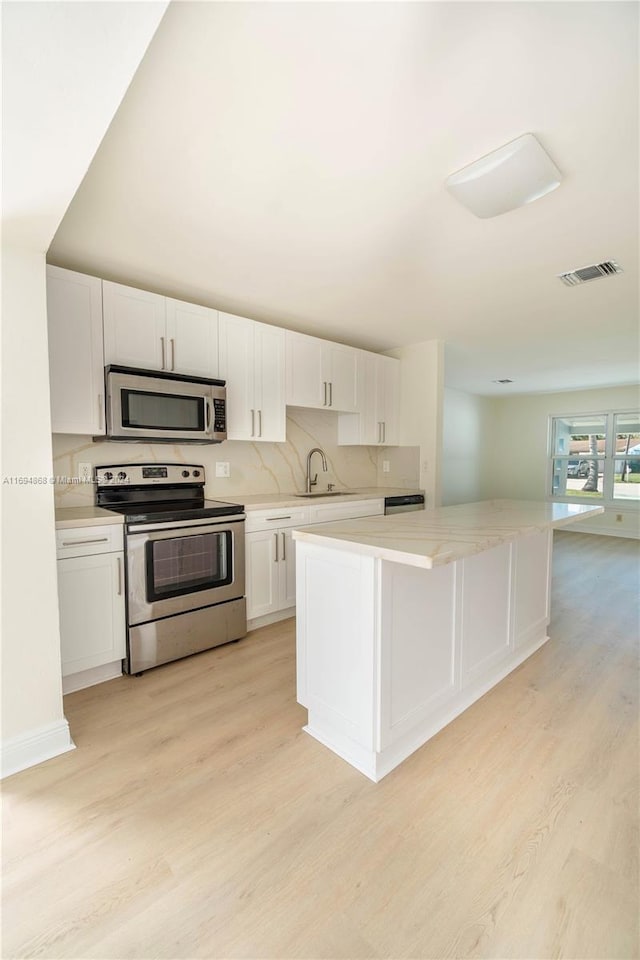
(608, 460)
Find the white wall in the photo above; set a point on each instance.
(65, 69)
(421, 389)
(31, 689)
(466, 426)
(519, 454)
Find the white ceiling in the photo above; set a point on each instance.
(286, 161)
(65, 70)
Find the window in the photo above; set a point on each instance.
(596, 457)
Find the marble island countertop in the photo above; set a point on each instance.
(431, 538)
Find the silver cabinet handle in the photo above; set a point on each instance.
(100, 412)
(82, 543)
(324, 384)
(330, 393)
(118, 561)
(163, 353)
(253, 423)
(271, 519)
(384, 431)
(284, 546)
(259, 423)
(173, 353)
(277, 557)
(379, 431)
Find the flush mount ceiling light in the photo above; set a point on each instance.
(518, 173)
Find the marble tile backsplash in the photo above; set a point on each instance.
(254, 467)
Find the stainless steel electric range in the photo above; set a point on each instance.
(184, 559)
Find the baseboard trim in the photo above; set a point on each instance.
(89, 678)
(269, 618)
(585, 527)
(39, 745)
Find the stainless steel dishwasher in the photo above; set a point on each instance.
(403, 504)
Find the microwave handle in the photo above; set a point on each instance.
(207, 421)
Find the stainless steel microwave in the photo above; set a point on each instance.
(156, 407)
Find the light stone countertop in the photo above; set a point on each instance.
(430, 538)
(67, 517)
(264, 501)
(90, 516)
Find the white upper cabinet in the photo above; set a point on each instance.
(320, 374)
(76, 363)
(134, 327)
(339, 371)
(252, 361)
(378, 422)
(192, 339)
(152, 332)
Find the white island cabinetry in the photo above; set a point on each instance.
(404, 621)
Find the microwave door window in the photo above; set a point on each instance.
(162, 411)
(188, 564)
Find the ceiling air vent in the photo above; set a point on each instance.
(592, 272)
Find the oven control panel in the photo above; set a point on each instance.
(148, 474)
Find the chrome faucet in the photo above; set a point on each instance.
(310, 482)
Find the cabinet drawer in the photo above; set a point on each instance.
(276, 519)
(85, 541)
(326, 512)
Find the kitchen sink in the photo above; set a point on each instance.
(327, 493)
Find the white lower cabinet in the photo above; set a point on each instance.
(270, 560)
(91, 598)
(270, 551)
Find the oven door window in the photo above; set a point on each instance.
(161, 411)
(188, 564)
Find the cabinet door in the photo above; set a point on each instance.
(134, 327)
(92, 621)
(262, 573)
(192, 339)
(305, 384)
(287, 570)
(339, 371)
(76, 360)
(269, 372)
(370, 429)
(388, 393)
(237, 368)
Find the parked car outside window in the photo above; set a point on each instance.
(577, 468)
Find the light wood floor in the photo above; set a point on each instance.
(196, 819)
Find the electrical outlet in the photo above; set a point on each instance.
(222, 468)
(386, 466)
(85, 472)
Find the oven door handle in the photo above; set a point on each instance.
(185, 527)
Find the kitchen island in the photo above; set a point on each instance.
(404, 621)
